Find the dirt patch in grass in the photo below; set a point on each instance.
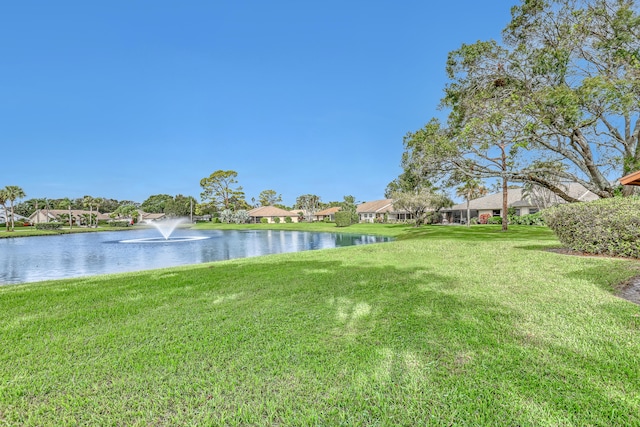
(629, 290)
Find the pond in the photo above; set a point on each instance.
(32, 259)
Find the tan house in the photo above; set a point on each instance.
(517, 198)
(328, 214)
(149, 217)
(381, 210)
(52, 215)
(271, 213)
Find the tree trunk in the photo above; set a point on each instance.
(468, 211)
(505, 190)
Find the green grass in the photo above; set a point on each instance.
(32, 231)
(444, 326)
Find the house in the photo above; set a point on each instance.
(272, 214)
(149, 217)
(631, 179)
(7, 214)
(518, 199)
(381, 211)
(52, 215)
(328, 214)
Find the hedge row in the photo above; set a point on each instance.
(48, 225)
(605, 226)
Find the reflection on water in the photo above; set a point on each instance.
(32, 259)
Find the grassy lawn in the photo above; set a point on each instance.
(32, 231)
(444, 326)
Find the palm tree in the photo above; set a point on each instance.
(471, 189)
(3, 202)
(47, 206)
(98, 201)
(13, 192)
(88, 201)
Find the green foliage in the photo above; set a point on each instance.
(433, 217)
(530, 219)
(120, 223)
(264, 221)
(606, 226)
(156, 203)
(48, 225)
(269, 198)
(310, 204)
(494, 220)
(226, 216)
(288, 219)
(276, 220)
(218, 188)
(343, 219)
(349, 205)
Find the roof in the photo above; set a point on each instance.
(516, 198)
(270, 211)
(53, 213)
(329, 211)
(376, 206)
(151, 216)
(3, 215)
(492, 201)
(631, 179)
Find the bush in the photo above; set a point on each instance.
(494, 220)
(120, 223)
(484, 218)
(276, 220)
(606, 226)
(431, 218)
(264, 220)
(530, 219)
(288, 219)
(240, 216)
(343, 219)
(48, 225)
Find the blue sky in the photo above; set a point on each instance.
(127, 99)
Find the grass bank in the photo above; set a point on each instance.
(444, 326)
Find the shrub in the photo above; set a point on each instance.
(494, 220)
(484, 218)
(120, 223)
(276, 220)
(288, 219)
(48, 225)
(432, 217)
(606, 226)
(226, 216)
(343, 219)
(264, 221)
(240, 217)
(530, 219)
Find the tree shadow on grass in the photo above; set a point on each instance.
(305, 336)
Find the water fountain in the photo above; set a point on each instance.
(166, 228)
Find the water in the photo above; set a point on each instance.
(32, 259)
(167, 226)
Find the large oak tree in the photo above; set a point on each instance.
(558, 101)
